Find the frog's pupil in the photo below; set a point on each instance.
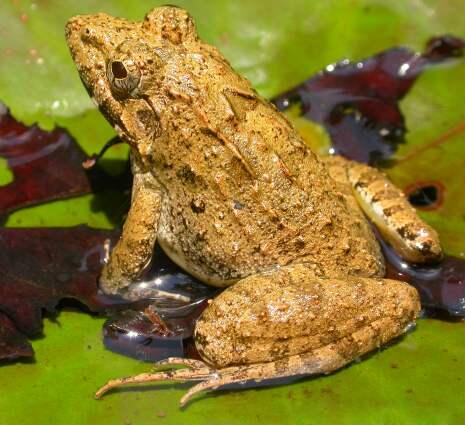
(118, 70)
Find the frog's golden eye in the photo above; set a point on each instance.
(124, 77)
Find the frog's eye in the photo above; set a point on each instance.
(124, 77)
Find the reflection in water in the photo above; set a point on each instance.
(441, 286)
(160, 326)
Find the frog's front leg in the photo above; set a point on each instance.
(135, 246)
(288, 322)
(389, 210)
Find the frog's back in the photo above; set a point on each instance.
(252, 194)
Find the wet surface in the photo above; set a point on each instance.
(358, 102)
(43, 267)
(164, 327)
(154, 334)
(441, 286)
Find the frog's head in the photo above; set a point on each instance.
(122, 64)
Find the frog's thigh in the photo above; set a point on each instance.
(135, 246)
(389, 210)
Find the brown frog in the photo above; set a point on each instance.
(233, 195)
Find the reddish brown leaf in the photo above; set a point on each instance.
(45, 165)
(357, 103)
(13, 344)
(42, 266)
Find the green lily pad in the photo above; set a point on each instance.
(277, 45)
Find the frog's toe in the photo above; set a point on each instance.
(179, 361)
(196, 374)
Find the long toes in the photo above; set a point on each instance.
(199, 374)
(108, 386)
(177, 361)
(202, 386)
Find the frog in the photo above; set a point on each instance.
(225, 184)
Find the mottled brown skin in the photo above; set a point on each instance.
(232, 193)
(285, 323)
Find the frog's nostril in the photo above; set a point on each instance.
(86, 33)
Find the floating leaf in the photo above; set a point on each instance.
(42, 266)
(13, 344)
(45, 165)
(358, 103)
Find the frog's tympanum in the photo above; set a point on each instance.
(233, 195)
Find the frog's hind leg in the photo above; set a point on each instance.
(323, 360)
(388, 209)
(287, 322)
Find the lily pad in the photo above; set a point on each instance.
(277, 46)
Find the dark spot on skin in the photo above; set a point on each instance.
(388, 212)
(359, 185)
(238, 206)
(186, 174)
(426, 248)
(198, 206)
(402, 232)
(299, 243)
(406, 233)
(118, 70)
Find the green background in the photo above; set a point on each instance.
(276, 44)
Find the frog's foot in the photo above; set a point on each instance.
(322, 360)
(196, 370)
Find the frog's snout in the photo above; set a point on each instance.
(73, 33)
(72, 26)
